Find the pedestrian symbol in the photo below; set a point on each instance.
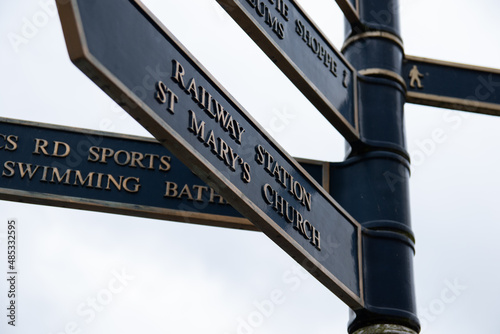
(415, 76)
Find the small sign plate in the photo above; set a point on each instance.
(451, 85)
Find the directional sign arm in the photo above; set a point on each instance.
(107, 172)
(451, 85)
(193, 116)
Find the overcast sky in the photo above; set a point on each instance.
(168, 277)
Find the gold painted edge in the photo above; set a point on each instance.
(452, 64)
(380, 72)
(111, 207)
(74, 36)
(325, 170)
(82, 131)
(373, 34)
(153, 123)
(360, 265)
(453, 103)
(291, 70)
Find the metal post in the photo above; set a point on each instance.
(379, 167)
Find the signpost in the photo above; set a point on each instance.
(117, 43)
(99, 171)
(114, 42)
(450, 85)
(302, 52)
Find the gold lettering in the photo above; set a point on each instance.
(316, 238)
(56, 149)
(298, 191)
(99, 180)
(222, 115)
(106, 153)
(288, 209)
(186, 192)
(117, 156)
(267, 191)
(224, 150)
(165, 163)
(214, 195)
(191, 89)
(41, 144)
(151, 160)
(307, 200)
(171, 189)
(137, 158)
(291, 215)
(173, 99)
(197, 129)
(210, 142)
(245, 174)
(269, 161)
(56, 175)
(178, 73)
(308, 226)
(234, 157)
(44, 175)
(299, 223)
(161, 92)
(79, 178)
(199, 193)
(94, 153)
(118, 184)
(278, 203)
(136, 185)
(299, 28)
(28, 170)
(9, 166)
(12, 140)
(276, 171)
(239, 132)
(259, 157)
(205, 102)
(285, 175)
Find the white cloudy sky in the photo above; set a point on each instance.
(191, 279)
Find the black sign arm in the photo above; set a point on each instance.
(452, 85)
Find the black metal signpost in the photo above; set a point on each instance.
(114, 41)
(100, 171)
(366, 259)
